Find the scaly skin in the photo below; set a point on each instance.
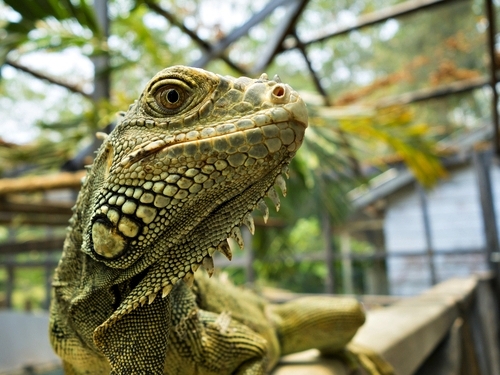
(189, 162)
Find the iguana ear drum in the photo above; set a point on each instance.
(107, 241)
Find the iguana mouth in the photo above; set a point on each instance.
(269, 127)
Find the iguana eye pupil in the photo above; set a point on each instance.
(172, 96)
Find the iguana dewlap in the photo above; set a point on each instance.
(188, 163)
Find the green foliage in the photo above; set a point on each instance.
(63, 19)
(395, 130)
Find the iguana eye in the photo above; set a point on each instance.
(170, 97)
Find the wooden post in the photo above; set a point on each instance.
(250, 255)
(377, 282)
(101, 62)
(48, 285)
(329, 256)
(482, 162)
(345, 250)
(9, 287)
(10, 272)
(490, 14)
(428, 234)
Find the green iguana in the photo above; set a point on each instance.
(186, 166)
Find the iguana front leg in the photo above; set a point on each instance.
(209, 343)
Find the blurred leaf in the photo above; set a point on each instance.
(393, 129)
(41, 9)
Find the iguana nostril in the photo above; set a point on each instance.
(280, 94)
(279, 91)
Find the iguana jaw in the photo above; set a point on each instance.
(195, 183)
(158, 281)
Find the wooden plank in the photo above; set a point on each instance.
(63, 180)
(470, 365)
(36, 208)
(8, 218)
(50, 244)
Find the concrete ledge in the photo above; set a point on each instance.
(24, 341)
(308, 363)
(407, 332)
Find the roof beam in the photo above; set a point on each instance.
(285, 28)
(204, 45)
(373, 18)
(218, 49)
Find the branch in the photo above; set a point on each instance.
(45, 77)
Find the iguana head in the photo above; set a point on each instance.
(189, 162)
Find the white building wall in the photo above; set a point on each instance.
(456, 225)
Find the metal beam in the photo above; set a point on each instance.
(219, 48)
(375, 17)
(314, 74)
(285, 28)
(453, 88)
(203, 44)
